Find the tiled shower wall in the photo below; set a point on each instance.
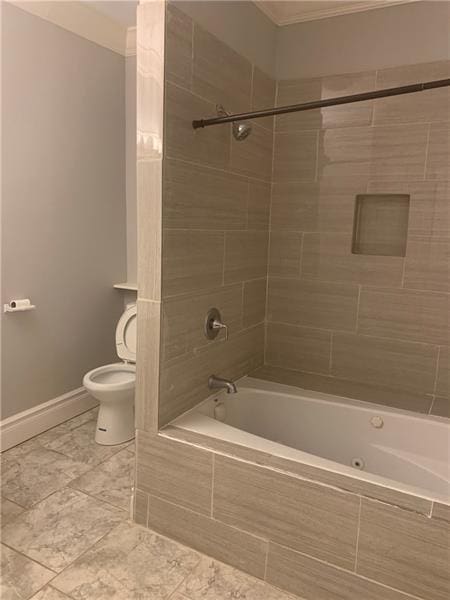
(368, 327)
(216, 202)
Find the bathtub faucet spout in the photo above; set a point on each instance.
(215, 383)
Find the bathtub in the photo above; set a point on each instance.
(391, 448)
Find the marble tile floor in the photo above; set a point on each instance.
(67, 535)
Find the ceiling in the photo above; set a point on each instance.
(283, 12)
(121, 11)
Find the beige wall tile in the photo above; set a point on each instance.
(245, 255)
(295, 156)
(328, 257)
(162, 472)
(429, 210)
(243, 551)
(254, 302)
(307, 90)
(404, 315)
(439, 152)
(258, 205)
(140, 508)
(184, 319)
(285, 252)
(443, 378)
(328, 205)
(298, 348)
(178, 47)
(441, 407)
(263, 95)
(441, 511)
(377, 393)
(184, 382)
(428, 264)
(210, 146)
(197, 197)
(397, 364)
(398, 152)
(388, 153)
(192, 261)
(147, 364)
(314, 519)
(432, 105)
(404, 550)
(315, 580)
(220, 74)
(253, 156)
(312, 303)
(149, 228)
(344, 152)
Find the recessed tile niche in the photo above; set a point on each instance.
(380, 225)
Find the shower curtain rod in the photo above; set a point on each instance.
(281, 110)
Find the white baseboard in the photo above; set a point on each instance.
(28, 423)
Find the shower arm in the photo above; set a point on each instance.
(281, 110)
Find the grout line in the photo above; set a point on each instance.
(269, 231)
(21, 553)
(223, 257)
(436, 374)
(357, 535)
(266, 561)
(330, 364)
(433, 400)
(358, 304)
(213, 472)
(302, 240)
(316, 169)
(227, 171)
(363, 335)
(427, 149)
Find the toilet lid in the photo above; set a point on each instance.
(126, 335)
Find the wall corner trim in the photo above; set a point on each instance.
(28, 423)
(130, 49)
(81, 20)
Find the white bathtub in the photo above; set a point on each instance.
(404, 451)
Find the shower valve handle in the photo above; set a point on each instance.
(214, 323)
(219, 325)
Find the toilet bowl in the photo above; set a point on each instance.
(113, 386)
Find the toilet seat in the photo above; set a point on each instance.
(117, 377)
(126, 334)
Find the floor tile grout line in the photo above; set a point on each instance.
(30, 558)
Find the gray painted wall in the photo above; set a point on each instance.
(63, 162)
(388, 37)
(130, 143)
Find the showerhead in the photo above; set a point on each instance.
(241, 129)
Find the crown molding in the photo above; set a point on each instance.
(316, 14)
(82, 20)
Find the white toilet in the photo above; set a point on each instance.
(113, 386)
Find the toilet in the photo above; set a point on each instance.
(113, 386)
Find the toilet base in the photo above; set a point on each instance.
(115, 423)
